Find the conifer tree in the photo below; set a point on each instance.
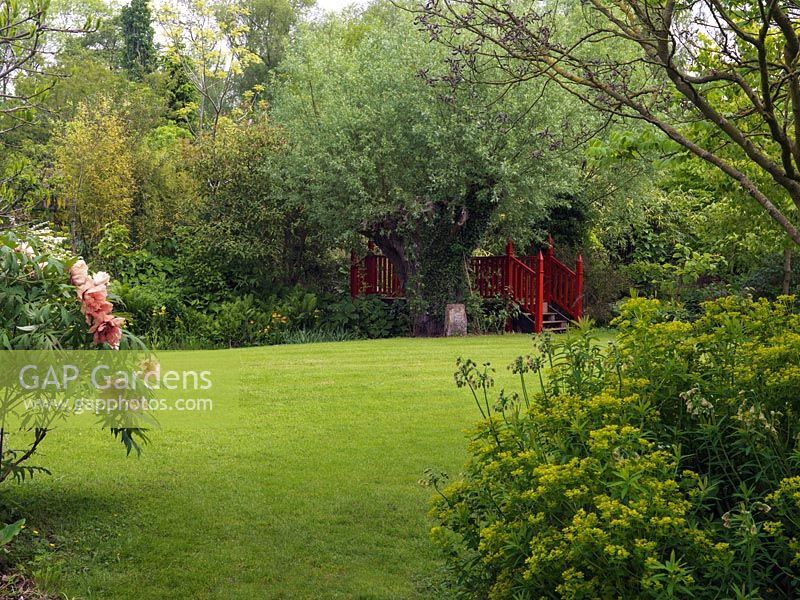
(139, 51)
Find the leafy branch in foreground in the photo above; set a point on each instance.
(24, 28)
(719, 78)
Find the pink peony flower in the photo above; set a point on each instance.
(93, 294)
(100, 279)
(25, 248)
(97, 312)
(108, 330)
(79, 274)
(95, 300)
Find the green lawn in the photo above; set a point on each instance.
(304, 484)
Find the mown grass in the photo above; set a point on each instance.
(303, 484)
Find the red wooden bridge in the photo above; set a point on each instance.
(548, 293)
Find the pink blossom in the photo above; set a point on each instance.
(95, 300)
(97, 312)
(108, 330)
(79, 274)
(25, 248)
(101, 278)
(93, 294)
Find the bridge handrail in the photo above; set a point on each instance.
(531, 281)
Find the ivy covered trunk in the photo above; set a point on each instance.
(432, 280)
(441, 279)
(430, 254)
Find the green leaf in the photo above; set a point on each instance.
(9, 532)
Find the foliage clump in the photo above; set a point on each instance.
(662, 466)
(39, 308)
(49, 301)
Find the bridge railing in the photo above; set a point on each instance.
(563, 286)
(374, 274)
(488, 275)
(531, 281)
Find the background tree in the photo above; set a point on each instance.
(85, 78)
(24, 27)
(256, 233)
(104, 43)
(269, 26)
(167, 196)
(419, 162)
(139, 51)
(94, 162)
(719, 78)
(208, 40)
(183, 100)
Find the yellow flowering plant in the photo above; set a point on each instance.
(664, 465)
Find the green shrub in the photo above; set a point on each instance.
(152, 307)
(489, 315)
(368, 317)
(604, 284)
(245, 322)
(185, 302)
(766, 278)
(663, 466)
(301, 309)
(38, 305)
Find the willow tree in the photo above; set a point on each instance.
(721, 78)
(388, 145)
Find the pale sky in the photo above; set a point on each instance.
(333, 5)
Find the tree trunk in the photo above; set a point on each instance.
(427, 325)
(424, 324)
(787, 270)
(430, 256)
(393, 248)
